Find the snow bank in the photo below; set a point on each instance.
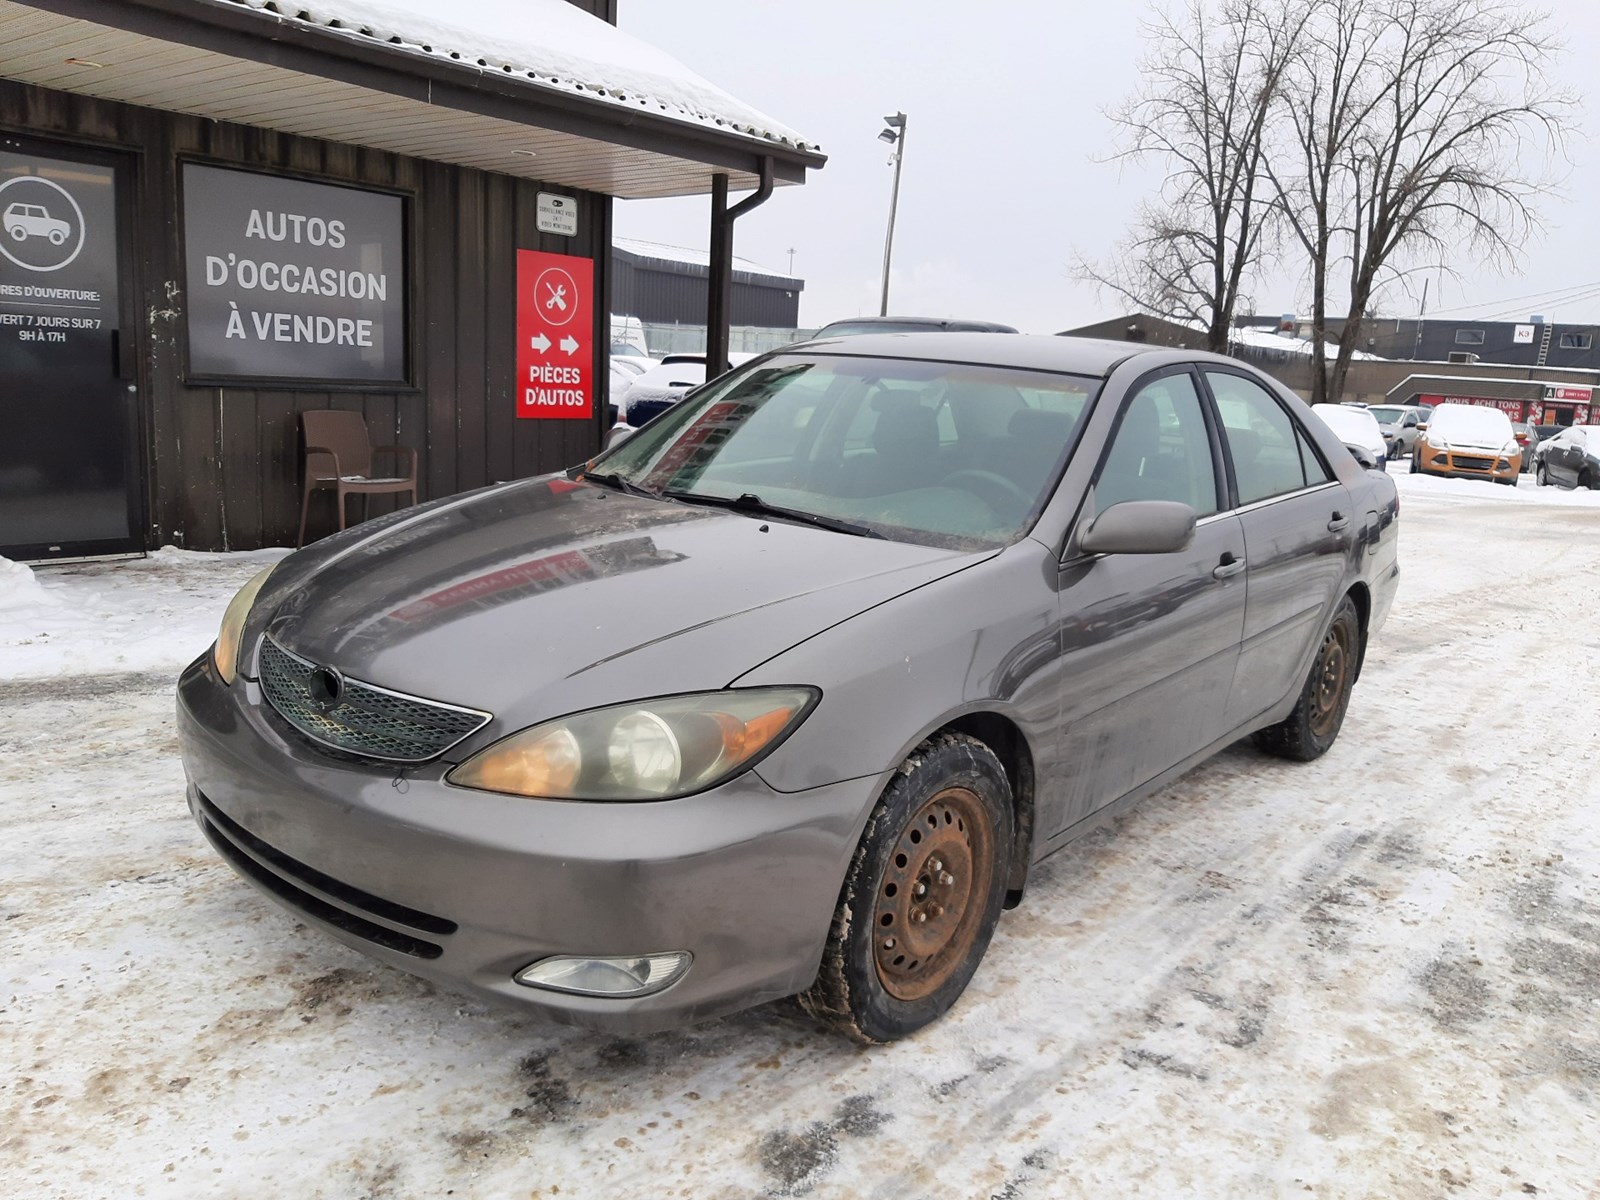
(551, 43)
(1526, 491)
(150, 614)
(19, 589)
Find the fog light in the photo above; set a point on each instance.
(617, 978)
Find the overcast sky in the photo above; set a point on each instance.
(1005, 178)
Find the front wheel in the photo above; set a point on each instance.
(1416, 461)
(922, 895)
(1311, 728)
(1541, 477)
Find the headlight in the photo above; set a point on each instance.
(225, 654)
(653, 750)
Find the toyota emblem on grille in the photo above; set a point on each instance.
(326, 688)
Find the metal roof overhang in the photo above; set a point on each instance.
(234, 64)
(1465, 385)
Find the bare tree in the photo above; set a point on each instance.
(1327, 98)
(1210, 82)
(1410, 128)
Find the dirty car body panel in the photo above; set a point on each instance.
(918, 595)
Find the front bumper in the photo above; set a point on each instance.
(1470, 464)
(467, 887)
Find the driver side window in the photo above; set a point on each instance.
(1160, 450)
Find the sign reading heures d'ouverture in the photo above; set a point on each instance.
(293, 280)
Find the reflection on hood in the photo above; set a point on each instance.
(490, 589)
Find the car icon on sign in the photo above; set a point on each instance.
(23, 221)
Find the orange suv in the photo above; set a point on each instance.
(1468, 440)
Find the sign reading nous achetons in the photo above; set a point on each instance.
(293, 280)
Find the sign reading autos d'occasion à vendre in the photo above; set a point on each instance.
(293, 280)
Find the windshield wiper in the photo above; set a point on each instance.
(614, 479)
(749, 502)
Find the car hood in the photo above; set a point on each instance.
(550, 596)
(1487, 445)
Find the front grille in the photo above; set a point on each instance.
(1468, 462)
(366, 720)
(279, 874)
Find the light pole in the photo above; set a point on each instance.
(894, 132)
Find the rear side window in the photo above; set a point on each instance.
(1271, 456)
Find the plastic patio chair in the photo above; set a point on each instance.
(338, 455)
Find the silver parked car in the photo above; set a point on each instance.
(1571, 459)
(1399, 425)
(790, 692)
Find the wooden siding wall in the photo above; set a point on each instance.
(223, 464)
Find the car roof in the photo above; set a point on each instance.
(960, 324)
(1028, 351)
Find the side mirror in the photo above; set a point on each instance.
(1140, 527)
(1362, 455)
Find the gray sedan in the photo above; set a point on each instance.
(789, 693)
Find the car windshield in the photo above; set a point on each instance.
(1388, 414)
(1471, 422)
(938, 453)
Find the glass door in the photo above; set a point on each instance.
(69, 481)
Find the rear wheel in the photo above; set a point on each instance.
(922, 896)
(1311, 728)
(1541, 477)
(1586, 480)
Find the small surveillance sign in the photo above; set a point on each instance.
(556, 214)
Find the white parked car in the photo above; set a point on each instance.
(1354, 425)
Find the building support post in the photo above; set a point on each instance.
(719, 297)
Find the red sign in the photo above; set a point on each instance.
(1515, 409)
(555, 336)
(1556, 392)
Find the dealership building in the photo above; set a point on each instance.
(216, 215)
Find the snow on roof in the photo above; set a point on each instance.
(688, 255)
(1263, 340)
(552, 43)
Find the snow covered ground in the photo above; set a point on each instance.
(1376, 975)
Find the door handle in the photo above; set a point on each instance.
(1228, 566)
(1337, 522)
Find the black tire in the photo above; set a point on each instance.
(938, 844)
(1541, 477)
(1586, 481)
(1318, 715)
(1416, 462)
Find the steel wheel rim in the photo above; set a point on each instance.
(932, 894)
(1328, 679)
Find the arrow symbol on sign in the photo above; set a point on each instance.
(540, 343)
(569, 344)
